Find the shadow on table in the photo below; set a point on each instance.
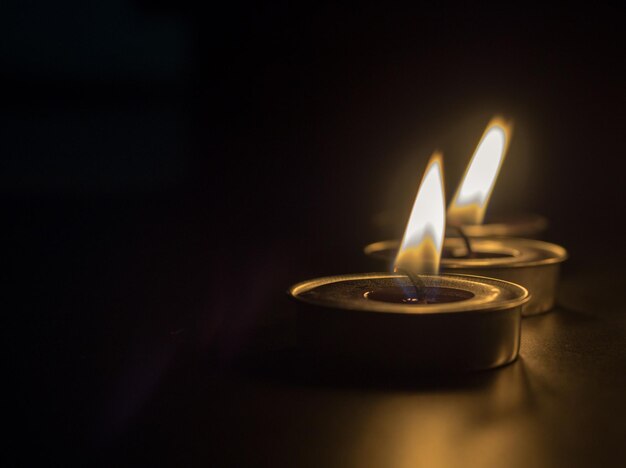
(293, 366)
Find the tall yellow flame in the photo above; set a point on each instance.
(472, 197)
(420, 250)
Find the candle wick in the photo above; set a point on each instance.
(466, 240)
(418, 284)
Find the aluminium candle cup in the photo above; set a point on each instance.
(531, 263)
(371, 321)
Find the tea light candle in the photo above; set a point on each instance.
(417, 320)
(379, 320)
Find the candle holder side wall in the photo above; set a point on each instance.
(402, 343)
(542, 281)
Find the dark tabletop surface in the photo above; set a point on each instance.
(169, 169)
(136, 353)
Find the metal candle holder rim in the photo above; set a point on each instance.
(551, 253)
(490, 294)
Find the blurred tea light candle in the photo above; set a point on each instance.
(415, 319)
(530, 263)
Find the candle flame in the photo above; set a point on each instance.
(421, 246)
(472, 197)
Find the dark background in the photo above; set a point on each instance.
(170, 168)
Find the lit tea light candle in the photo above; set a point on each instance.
(469, 204)
(414, 318)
